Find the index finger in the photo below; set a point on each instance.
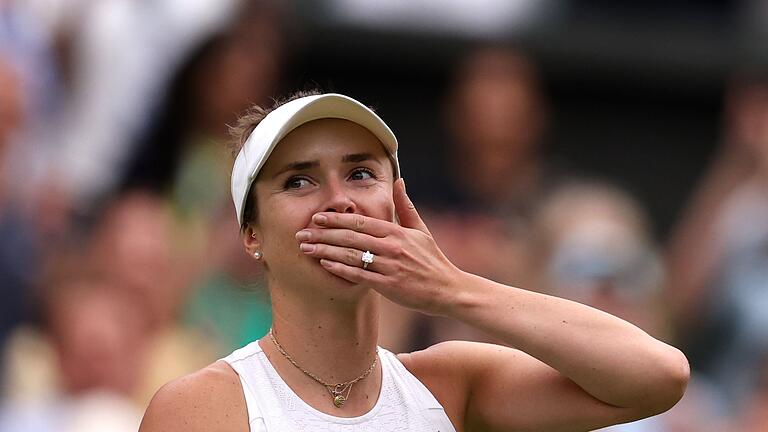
(355, 222)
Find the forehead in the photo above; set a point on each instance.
(323, 139)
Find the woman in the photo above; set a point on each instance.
(317, 192)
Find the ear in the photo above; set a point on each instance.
(251, 239)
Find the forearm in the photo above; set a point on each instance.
(609, 358)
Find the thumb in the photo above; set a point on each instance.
(406, 211)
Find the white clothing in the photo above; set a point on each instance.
(404, 403)
(125, 51)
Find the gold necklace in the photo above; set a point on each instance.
(339, 392)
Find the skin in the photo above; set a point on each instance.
(573, 368)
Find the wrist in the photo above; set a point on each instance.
(456, 294)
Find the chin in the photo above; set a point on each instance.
(311, 275)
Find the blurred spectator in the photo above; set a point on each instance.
(139, 249)
(122, 54)
(481, 209)
(719, 254)
(18, 244)
(186, 154)
(185, 147)
(81, 373)
(134, 246)
(112, 326)
(97, 332)
(496, 116)
(595, 247)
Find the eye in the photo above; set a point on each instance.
(361, 174)
(296, 183)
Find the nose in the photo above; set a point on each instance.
(339, 200)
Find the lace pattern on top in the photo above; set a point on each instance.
(404, 403)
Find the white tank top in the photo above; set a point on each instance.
(404, 403)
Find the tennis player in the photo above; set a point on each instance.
(319, 198)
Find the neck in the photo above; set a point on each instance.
(332, 338)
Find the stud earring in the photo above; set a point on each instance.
(257, 255)
(253, 235)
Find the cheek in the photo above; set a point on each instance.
(390, 213)
(281, 229)
(280, 211)
(381, 205)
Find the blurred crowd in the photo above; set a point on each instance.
(120, 261)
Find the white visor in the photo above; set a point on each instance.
(280, 122)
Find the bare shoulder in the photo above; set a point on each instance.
(209, 399)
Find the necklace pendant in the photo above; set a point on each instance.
(339, 400)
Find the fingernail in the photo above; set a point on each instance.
(307, 247)
(303, 235)
(325, 263)
(320, 219)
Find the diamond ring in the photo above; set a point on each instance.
(367, 258)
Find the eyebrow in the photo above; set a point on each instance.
(305, 165)
(357, 157)
(297, 166)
